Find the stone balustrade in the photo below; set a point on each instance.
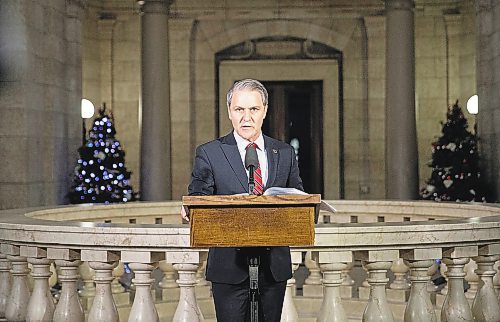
(385, 238)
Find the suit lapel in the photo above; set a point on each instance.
(230, 150)
(272, 161)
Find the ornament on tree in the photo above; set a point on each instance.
(455, 154)
(100, 175)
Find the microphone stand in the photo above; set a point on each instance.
(252, 162)
(253, 264)
(251, 180)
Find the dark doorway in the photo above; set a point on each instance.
(295, 116)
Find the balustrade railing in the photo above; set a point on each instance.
(397, 243)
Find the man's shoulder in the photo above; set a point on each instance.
(276, 144)
(213, 144)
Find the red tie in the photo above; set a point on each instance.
(259, 187)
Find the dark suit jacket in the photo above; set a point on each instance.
(218, 170)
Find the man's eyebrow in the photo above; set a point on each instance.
(237, 106)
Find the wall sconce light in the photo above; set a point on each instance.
(87, 111)
(472, 105)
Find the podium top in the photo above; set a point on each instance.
(241, 200)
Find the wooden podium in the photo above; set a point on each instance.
(249, 221)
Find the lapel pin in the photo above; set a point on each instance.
(275, 151)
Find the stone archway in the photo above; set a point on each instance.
(210, 121)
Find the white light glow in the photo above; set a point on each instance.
(472, 105)
(87, 109)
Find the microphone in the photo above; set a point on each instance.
(251, 163)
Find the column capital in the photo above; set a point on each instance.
(155, 6)
(399, 4)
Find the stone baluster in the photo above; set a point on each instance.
(202, 288)
(142, 263)
(399, 269)
(314, 277)
(378, 307)
(19, 293)
(41, 306)
(143, 308)
(346, 277)
(421, 263)
(68, 307)
(169, 288)
(312, 285)
(486, 307)
(332, 264)
(186, 264)
(496, 280)
(289, 311)
(419, 306)
(116, 287)
(431, 287)
(103, 307)
(5, 284)
(377, 264)
(53, 276)
(87, 276)
(444, 269)
(200, 275)
(87, 292)
(472, 279)
(455, 306)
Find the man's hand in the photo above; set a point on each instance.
(184, 213)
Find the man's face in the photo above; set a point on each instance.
(247, 112)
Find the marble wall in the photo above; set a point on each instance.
(40, 90)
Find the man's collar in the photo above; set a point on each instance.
(243, 143)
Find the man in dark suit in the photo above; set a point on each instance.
(219, 170)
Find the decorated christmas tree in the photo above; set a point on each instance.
(100, 175)
(455, 163)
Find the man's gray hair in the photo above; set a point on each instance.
(249, 85)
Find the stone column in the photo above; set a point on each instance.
(69, 307)
(156, 181)
(400, 128)
(19, 293)
(488, 89)
(486, 307)
(5, 284)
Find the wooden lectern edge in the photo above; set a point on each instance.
(251, 200)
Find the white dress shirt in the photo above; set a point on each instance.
(261, 154)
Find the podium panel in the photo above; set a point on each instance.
(247, 220)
